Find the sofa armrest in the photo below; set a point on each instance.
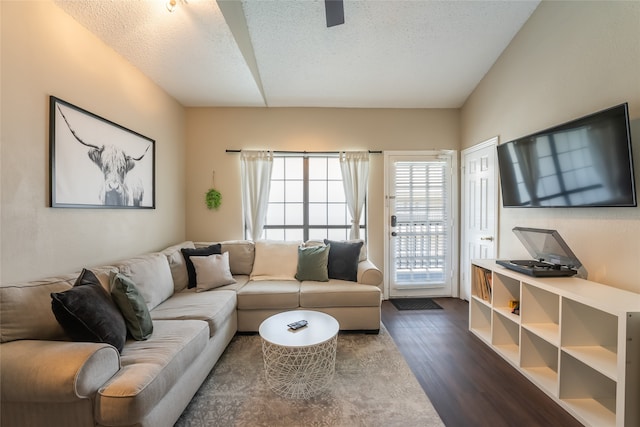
(54, 371)
(369, 274)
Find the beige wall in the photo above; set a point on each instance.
(570, 59)
(45, 52)
(210, 131)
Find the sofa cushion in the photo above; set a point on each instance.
(87, 313)
(212, 271)
(270, 294)
(26, 309)
(240, 282)
(343, 259)
(241, 256)
(312, 263)
(149, 371)
(152, 276)
(132, 306)
(103, 274)
(213, 307)
(275, 260)
(188, 253)
(338, 293)
(178, 265)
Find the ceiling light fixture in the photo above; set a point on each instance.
(171, 5)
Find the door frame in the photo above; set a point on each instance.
(454, 222)
(464, 242)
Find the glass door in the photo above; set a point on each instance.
(420, 238)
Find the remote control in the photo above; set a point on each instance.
(297, 325)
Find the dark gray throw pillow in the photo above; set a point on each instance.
(87, 313)
(343, 259)
(206, 251)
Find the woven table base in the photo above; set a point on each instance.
(299, 372)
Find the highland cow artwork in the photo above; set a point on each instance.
(96, 163)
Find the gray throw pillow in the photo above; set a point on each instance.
(87, 313)
(312, 263)
(132, 306)
(212, 271)
(343, 259)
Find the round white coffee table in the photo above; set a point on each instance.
(299, 364)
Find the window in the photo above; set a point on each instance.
(307, 200)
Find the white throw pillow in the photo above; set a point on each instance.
(275, 260)
(212, 271)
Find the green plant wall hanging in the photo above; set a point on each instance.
(213, 198)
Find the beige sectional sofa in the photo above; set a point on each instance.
(48, 380)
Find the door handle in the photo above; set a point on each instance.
(489, 238)
(394, 234)
(394, 220)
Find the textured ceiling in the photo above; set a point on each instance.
(395, 53)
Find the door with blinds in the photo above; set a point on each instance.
(420, 229)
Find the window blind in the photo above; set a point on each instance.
(421, 243)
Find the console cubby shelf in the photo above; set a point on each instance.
(505, 337)
(577, 340)
(539, 362)
(481, 322)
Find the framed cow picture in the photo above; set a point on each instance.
(95, 163)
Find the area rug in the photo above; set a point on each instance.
(415, 304)
(372, 386)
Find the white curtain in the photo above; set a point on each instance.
(256, 169)
(355, 175)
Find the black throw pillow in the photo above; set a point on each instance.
(188, 252)
(343, 259)
(87, 313)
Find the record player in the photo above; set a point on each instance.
(552, 256)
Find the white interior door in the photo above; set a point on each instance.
(479, 208)
(421, 235)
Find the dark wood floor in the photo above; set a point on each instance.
(468, 384)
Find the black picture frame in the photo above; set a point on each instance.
(96, 163)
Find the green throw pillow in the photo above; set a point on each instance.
(312, 263)
(132, 306)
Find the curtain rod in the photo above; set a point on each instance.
(307, 152)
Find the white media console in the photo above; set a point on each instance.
(577, 340)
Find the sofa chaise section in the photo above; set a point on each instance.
(150, 370)
(66, 383)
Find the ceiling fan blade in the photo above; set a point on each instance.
(335, 12)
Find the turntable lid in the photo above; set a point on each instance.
(547, 245)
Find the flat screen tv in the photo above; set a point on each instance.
(585, 162)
